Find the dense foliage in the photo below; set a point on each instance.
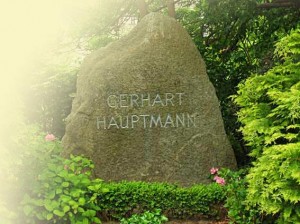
(270, 114)
(63, 192)
(124, 198)
(235, 39)
(147, 217)
(52, 189)
(49, 97)
(30, 155)
(65, 197)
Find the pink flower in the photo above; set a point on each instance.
(219, 180)
(49, 137)
(214, 171)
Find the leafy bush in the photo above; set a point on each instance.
(274, 183)
(125, 198)
(145, 218)
(27, 154)
(35, 153)
(60, 190)
(48, 101)
(270, 114)
(63, 192)
(236, 193)
(270, 108)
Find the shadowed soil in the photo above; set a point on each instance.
(186, 222)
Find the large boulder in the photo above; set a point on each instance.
(146, 110)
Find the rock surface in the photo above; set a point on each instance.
(146, 110)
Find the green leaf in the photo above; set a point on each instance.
(96, 220)
(65, 198)
(65, 184)
(48, 205)
(89, 213)
(85, 221)
(49, 216)
(66, 208)
(59, 213)
(80, 209)
(287, 212)
(81, 201)
(27, 209)
(59, 191)
(51, 195)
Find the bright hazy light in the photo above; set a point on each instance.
(29, 29)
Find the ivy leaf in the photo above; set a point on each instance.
(27, 209)
(66, 208)
(65, 184)
(49, 216)
(59, 213)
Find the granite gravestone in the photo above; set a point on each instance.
(146, 110)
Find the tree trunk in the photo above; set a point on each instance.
(142, 6)
(171, 8)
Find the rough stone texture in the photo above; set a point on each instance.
(156, 57)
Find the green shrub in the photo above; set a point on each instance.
(270, 108)
(125, 198)
(66, 193)
(270, 114)
(63, 192)
(27, 154)
(274, 183)
(146, 218)
(236, 192)
(60, 190)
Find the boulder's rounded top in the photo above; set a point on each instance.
(156, 25)
(155, 16)
(154, 28)
(155, 19)
(155, 37)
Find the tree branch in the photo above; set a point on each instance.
(279, 4)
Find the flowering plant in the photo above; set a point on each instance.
(214, 171)
(236, 190)
(49, 137)
(63, 190)
(219, 180)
